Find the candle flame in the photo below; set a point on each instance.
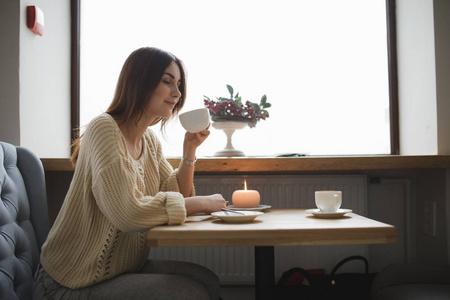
(245, 184)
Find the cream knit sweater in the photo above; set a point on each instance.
(111, 204)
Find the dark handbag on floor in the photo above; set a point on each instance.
(326, 286)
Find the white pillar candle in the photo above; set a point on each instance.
(246, 198)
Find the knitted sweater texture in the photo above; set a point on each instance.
(112, 202)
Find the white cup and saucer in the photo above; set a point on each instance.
(328, 205)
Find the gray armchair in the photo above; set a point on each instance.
(24, 221)
(416, 281)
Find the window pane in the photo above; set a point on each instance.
(322, 64)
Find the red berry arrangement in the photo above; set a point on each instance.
(232, 108)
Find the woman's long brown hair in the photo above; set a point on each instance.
(141, 73)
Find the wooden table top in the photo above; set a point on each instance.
(292, 226)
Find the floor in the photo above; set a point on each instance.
(237, 292)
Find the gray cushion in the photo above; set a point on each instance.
(23, 219)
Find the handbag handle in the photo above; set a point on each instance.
(354, 257)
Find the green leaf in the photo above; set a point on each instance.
(230, 90)
(206, 97)
(263, 100)
(267, 105)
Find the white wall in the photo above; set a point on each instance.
(423, 41)
(9, 71)
(35, 78)
(45, 81)
(417, 79)
(35, 97)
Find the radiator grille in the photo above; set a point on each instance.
(236, 264)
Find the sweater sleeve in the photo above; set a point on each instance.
(115, 190)
(170, 183)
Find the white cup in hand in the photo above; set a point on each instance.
(328, 201)
(195, 120)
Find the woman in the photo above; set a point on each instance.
(122, 187)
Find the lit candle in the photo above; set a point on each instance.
(245, 198)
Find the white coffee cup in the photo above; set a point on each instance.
(195, 120)
(328, 201)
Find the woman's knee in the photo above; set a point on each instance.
(190, 270)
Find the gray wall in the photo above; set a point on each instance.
(9, 71)
(442, 42)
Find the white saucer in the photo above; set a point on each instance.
(230, 217)
(258, 208)
(332, 215)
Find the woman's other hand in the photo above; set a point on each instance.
(214, 203)
(205, 204)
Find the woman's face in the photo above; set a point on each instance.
(166, 94)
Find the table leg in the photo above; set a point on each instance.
(264, 272)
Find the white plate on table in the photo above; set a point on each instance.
(332, 215)
(258, 208)
(230, 217)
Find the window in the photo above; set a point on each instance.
(322, 64)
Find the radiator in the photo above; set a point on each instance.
(236, 264)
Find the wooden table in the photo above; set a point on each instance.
(276, 227)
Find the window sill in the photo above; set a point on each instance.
(292, 165)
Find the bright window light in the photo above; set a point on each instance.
(322, 64)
